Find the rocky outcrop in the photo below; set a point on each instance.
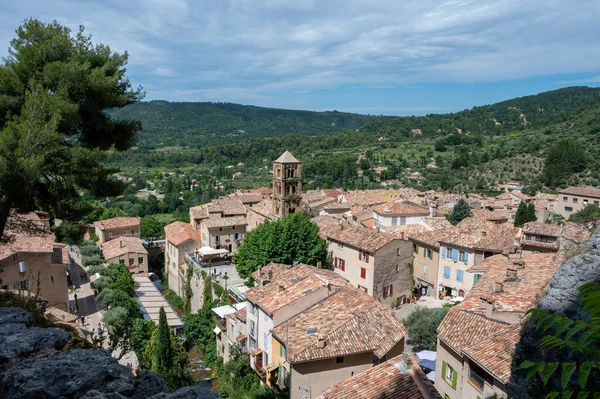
(562, 297)
(32, 365)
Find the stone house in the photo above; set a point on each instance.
(341, 336)
(574, 199)
(397, 213)
(540, 237)
(181, 238)
(30, 257)
(121, 226)
(426, 258)
(467, 244)
(227, 233)
(489, 320)
(128, 251)
(281, 292)
(375, 262)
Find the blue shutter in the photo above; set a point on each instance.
(446, 272)
(454, 255)
(443, 252)
(466, 257)
(460, 276)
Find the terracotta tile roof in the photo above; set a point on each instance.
(576, 233)
(397, 208)
(225, 206)
(263, 208)
(121, 246)
(495, 353)
(337, 206)
(443, 210)
(239, 314)
(369, 223)
(437, 223)
(322, 202)
(486, 214)
(482, 234)
(332, 192)
(224, 222)
(329, 224)
(461, 328)
(584, 191)
(247, 198)
(117, 223)
(365, 239)
(542, 229)
(517, 295)
(521, 196)
(179, 232)
(429, 238)
(408, 230)
(241, 337)
(25, 235)
(539, 244)
(385, 381)
(364, 197)
(350, 321)
(291, 285)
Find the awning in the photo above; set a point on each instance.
(204, 251)
(256, 352)
(241, 337)
(429, 364)
(272, 367)
(217, 330)
(431, 376)
(429, 355)
(425, 281)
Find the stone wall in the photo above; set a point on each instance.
(34, 364)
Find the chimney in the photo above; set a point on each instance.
(498, 287)
(281, 288)
(505, 255)
(511, 274)
(386, 210)
(320, 341)
(489, 309)
(121, 243)
(270, 274)
(518, 253)
(519, 263)
(484, 233)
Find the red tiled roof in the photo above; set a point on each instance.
(369, 223)
(534, 272)
(366, 239)
(583, 191)
(576, 233)
(121, 246)
(179, 232)
(385, 381)
(224, 222)
(332, 192)
(364, 197)
(542, 229)
(397, 208)
(349, 320)
(225, 206)
(461, 328)
(25, 235)
(483, 234)
(495, 353)
(117, 223)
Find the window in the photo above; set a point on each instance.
(252, 329)
(23, 285)
(476, 278)
(109, 235)
(565, 199)
(236, 236)
(476, 381)
(568, 209)
(388, 291)
(449, 374)
(398, 252)
(443, 252)
(52, 278)
(339, 360)
(427, 253)
(365, 289)
(364, 256)
(217, 239)
(394, 221)
(265, 340)
(131, 261)
(363, 272)
(220, 229)
(252, 308)
(122, 261)
(232, 227)
(22, 266)
(460, 276)
(574, 200)
(141, 260)
(585, 202)
(446, 272)
(340, 245)
(397, 268)
(425, 270)
(340, 264)
(415, 248)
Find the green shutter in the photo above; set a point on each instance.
(454, 375)
(443, 370)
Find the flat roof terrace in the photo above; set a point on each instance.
(151, 300)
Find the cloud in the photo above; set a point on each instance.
(593, 79)
(259, 51)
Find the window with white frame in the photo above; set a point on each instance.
(425, 270)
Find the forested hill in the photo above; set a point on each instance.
(519, 113)
(204, 123)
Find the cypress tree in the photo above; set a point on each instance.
(163, 352)
(531, 216)
(461, 211)
(521, 215)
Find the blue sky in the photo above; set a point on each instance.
(393, 57)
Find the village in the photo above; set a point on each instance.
(333, 329)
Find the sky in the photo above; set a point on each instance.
(391, 57)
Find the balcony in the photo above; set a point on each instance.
(476, 381)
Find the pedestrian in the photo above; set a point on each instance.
(82, 319)
(423, 291)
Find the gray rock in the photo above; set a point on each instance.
(14, 315)
(17, 340)
(147, 384)
(67, 374)
(200, 391)
(102, 395)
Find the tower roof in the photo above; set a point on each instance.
(287, 157)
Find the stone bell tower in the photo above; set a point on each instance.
(287, 184)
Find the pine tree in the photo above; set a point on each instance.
(521, 215)
(531, 216)
(461, 211)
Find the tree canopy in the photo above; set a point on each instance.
(55, 89)
(422, 325)
(461, 211)
(525, 213)
(563, 159)
(590, 213)
(294, 238)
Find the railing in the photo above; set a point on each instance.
(476, 380)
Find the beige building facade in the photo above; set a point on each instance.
(574, 199)
(181, 238)
(110, 229)
(128, 251)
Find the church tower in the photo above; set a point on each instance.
(287, 185)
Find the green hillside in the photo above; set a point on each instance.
(167, 124)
